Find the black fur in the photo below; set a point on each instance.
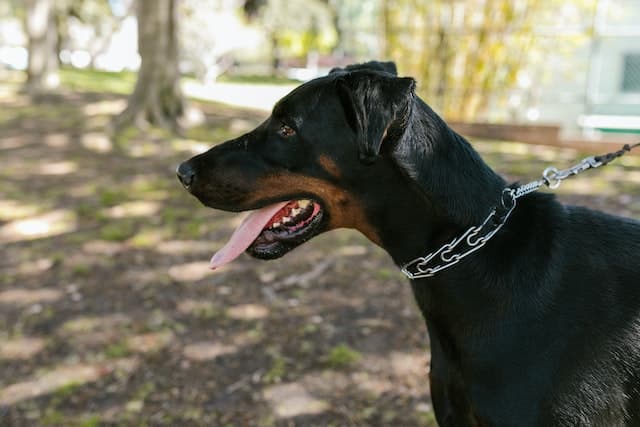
(541, 327)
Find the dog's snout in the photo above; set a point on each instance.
(186, 174)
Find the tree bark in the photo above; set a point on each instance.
(40, 26)
(157, 97)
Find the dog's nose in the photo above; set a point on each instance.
(186, 174)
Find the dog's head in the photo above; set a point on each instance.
(317, 163)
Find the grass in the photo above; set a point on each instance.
(91, 421)
(117, 231)
(123, 82)
(144, 391)
(278, 368)
(117, 350)
(148, 238)
(428, 419)
(87, 210)
(66, 391)
(342, 356)
(111, 197)
(81, 269)
(53, 417)
(209, 312)
(98, 81)
(192, 229)
(257, 79)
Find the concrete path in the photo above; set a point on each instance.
(256, 96)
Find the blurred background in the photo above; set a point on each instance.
(108, 313)
(572, 63)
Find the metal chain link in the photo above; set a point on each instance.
(477, 236)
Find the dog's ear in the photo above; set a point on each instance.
(384, 66)
(377, 107)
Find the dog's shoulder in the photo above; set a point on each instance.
(603, 229)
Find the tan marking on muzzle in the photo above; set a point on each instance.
(329, 166)
(345, 210)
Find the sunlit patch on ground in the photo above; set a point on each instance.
(190, 272)
(205, 350)
(149, 238)
(410, 369)
(190, 146)
(409, 364)
(197, 307)
(56, 140)
(18, 296)
(57, 168)
(352, 250)
(9, 92)
(92, 324)
(292, 399)
(94, 332)
(104, 107)
(372, 383)
(60, 377)
(102, 247)
(84, 189)
(211, 349)
(192, 117)
(12, 142)
(140, 278)
(248, 312)
(14, 209)
(133, 209)
(32, 267)
(96, 141)
(150, 342)
(177, 247)
(144, 149)
(50, 224)
(21, 348)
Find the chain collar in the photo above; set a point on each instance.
(477, 236)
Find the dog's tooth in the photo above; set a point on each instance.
(296, 211)
(303, 203)
(275, 224)
(286, 219)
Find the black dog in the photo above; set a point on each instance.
(540, 327)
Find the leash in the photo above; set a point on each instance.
(477, 236)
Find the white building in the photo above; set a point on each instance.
(588, 76)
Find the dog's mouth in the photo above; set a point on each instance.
(272, 231)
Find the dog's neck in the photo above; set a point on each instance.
(448, 189)
(451, 187)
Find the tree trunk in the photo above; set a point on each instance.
(40, 26)
(157, 98)
(275, 54)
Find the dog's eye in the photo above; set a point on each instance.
(286, 131)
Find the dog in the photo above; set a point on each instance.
(540, 327)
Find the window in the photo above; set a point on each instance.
(631, 73)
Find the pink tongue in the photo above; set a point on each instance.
(245, 234)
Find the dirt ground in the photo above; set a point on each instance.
(110, 317)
